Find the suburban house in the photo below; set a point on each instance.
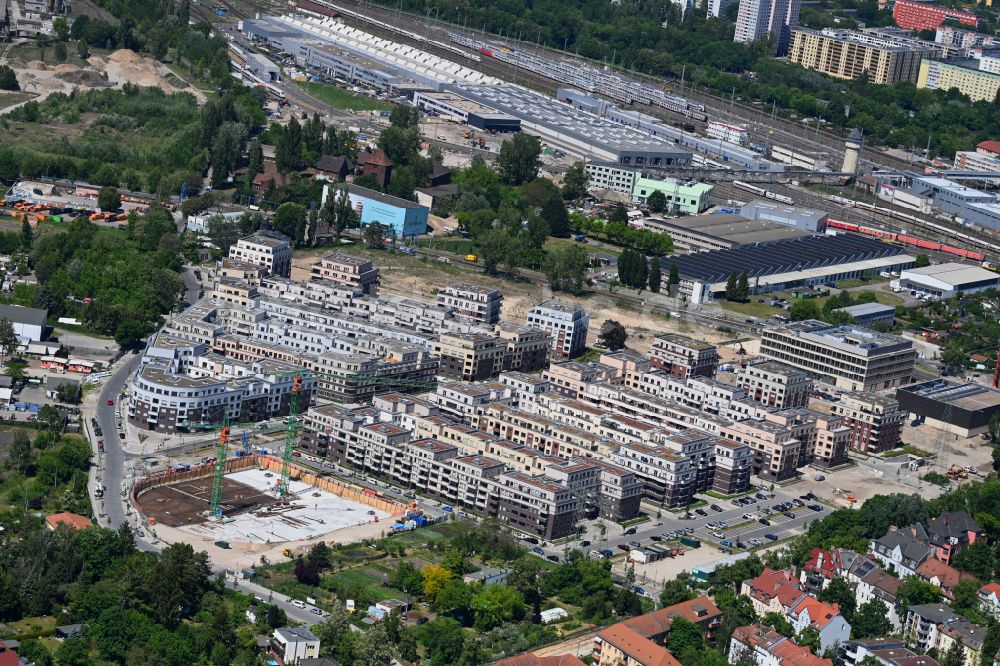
(943, 575)
(904, 549)
(825, 618)
(767, 647)
(952, 531)
(72, 520)
(989, 599)
(772, 591)
(619, 645)
(333, 167)
(825, 565)
(292, 644)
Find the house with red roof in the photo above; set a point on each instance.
(532, 659)
(73, 520)
(988, 148)
(823, 617)
(773, 590)
(767, 647)
(618, 645)
(943, 575)
(655, 625)
(989, 599)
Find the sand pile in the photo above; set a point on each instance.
(65, 68)
(37, 64)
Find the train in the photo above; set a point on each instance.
(896, 215)
(761, 192)
(907, 239)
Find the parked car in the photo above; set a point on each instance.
(771, 537)
(764, 521)
(635, 544)
(630, 530)
(584, 543)
(716, 507)
(552, 558)
(537, 550)
(298, 604)
(700, 512)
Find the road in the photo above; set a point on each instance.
(282, 601)
(113, 460)
(191, 285)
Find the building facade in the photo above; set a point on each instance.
(348, 271)
(777, 384)
(913, 15)
(269, 251)
(876, 421)
(848, 54)
(567, 325)
(682, 356)
(475, 304)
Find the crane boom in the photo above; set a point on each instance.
(220, 470)
(291, 432)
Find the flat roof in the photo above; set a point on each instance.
(778, 209)
(783, 256)
(963, 395)
(954, 273)
(387, 199)
(731, 228)
(846, 335)
(867, 309)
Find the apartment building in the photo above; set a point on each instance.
(243, 271)
(876, 421)
(347, 270)
(853, 358)
(766, 647)
(923, 625)
(567, 324)
(823, 438)
(914, 15)
(850, 54)
(760, 19)
(776, 384)
(475, 304)
(383, 366)
(470, 356)
(571, 378)
(526, 388)
(777, 454)
(526, 349)
(619, 645)
(682, 356)
(462, 400)
(967, 75)
(268, 250)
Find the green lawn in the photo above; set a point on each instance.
(343, 100)
(765, 311)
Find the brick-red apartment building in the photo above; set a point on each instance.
(913, 15)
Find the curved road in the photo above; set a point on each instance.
(114, 456)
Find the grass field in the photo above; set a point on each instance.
(765, 311)
(8, 99)
(341, 99)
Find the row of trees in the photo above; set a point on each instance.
(617, 230)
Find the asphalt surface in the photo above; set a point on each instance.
(113, 460)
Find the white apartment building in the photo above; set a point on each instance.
(269, 251)
(566, 323)
(758, 19)
(611, 176)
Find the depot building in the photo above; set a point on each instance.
(947, 280)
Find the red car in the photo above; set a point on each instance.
(111, 402)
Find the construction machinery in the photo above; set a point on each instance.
(291, 433)
(220, 472)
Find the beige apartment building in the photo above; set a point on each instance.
(875, 421)
(347, 270)
(849, 54)
(775, 384)
(472, 303)
(470, 357)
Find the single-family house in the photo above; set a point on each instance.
(333, 167)
(989, 599)
(951, 531)
(903, 548)
(618, 645)
(486, 576)
(943, 575)
(823, 617)
(655, 625)
(72, 520)
(292, 644)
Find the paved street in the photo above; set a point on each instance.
(113, 460)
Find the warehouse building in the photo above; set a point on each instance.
(465, 111)
(868, 314)
(404, 218)
(786, 264)
(262, 67)
(576, 132)
(806, 219)
(29, 323)
(947, 280)
(848, 54)
(851, 357)
(962, 408)
(719, 231)
(972, 205)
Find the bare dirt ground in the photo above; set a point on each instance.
(411, 276)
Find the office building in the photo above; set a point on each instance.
(959, 407)
(967, 76)
(682, 356)
(850, 357)
(566, 324)
(266, 250)
(776, 384)
(759, 19)
(478, 305)
(849, 54)
(689, 198)
(876, 421)
(971, 205)
(977, 160)
(347, 270)
(947, 280)
(915, 15)
(868, 314)
(611, 176)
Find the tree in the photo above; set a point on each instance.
(803, 309)
(518, 160)
(915, 592)
(657, 201)
(108, 199)
(566, 268)
(743, 288)
(498, 247)
(675, 277)
(676, 591)
(332, 630)
(685, 640)
(82, 50)
(306, 572)
(779, 622)
(840, 593)
(26, 235)
(654, 275)
(320, 554)
(977, 558)
(454, 594)
(290, 219)
(954, 357)
(404, 116)
(993, 429)
(8, 80)
(871, 619)
(955, 655)
(444, 639)
(575, 181)
(435, 576)
(731, 287)
(61, 28)
(60, 52)
(991, 645)
(401, 146)
(8, 338)
(374, 235)
(809, 638)
(493, 605)
(613, 335)
(22, 456)
(255, 152)
(373, 647)
(923, 261)
(554, 212)
(68, 393)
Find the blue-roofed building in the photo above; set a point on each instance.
(405, 218)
